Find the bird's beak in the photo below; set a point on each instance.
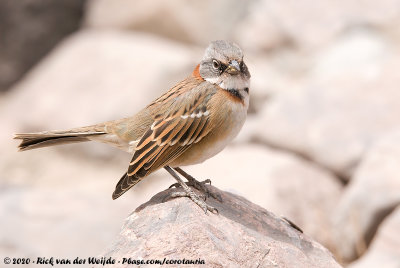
(233, 67)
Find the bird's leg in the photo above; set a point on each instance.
(199, 185)
(189, 193)
(192, 179)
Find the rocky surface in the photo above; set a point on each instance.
(363, 107)
(277, 24)
(314, 191)
(372, 194)
(195, 23)
(319, 145)
(385, 248)
(241, 235)
(90, 64)
(111, 72)
(57, 204)
(29, 30)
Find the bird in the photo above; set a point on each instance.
(188, 124)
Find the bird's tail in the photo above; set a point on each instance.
(50, 138)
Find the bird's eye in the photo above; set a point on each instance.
(216, 64)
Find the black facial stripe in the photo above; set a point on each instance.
(222, 68)
(235, 93)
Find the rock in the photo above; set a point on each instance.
(59, 194)
(282, 183)
(259, 31)
(311, 25)
(93, 77)
(372, 194)
(385, 248)
(29, 30)
(333, 118)
(266, 81)
(90, 77)
(260, 25)
(241, 235)
(195, 22)
(362, 52)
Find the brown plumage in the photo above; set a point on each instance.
(189, 123)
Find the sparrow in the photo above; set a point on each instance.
(188, 124)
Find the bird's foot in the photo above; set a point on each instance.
(188, 192)
(196, 199)
(201, 186)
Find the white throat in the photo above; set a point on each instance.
(231, 82)
(235, 83)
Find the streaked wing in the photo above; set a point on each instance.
(171, 134)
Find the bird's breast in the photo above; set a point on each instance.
(227, 117)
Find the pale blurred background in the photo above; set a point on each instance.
(321, 145)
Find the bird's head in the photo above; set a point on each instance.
(223, 66)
